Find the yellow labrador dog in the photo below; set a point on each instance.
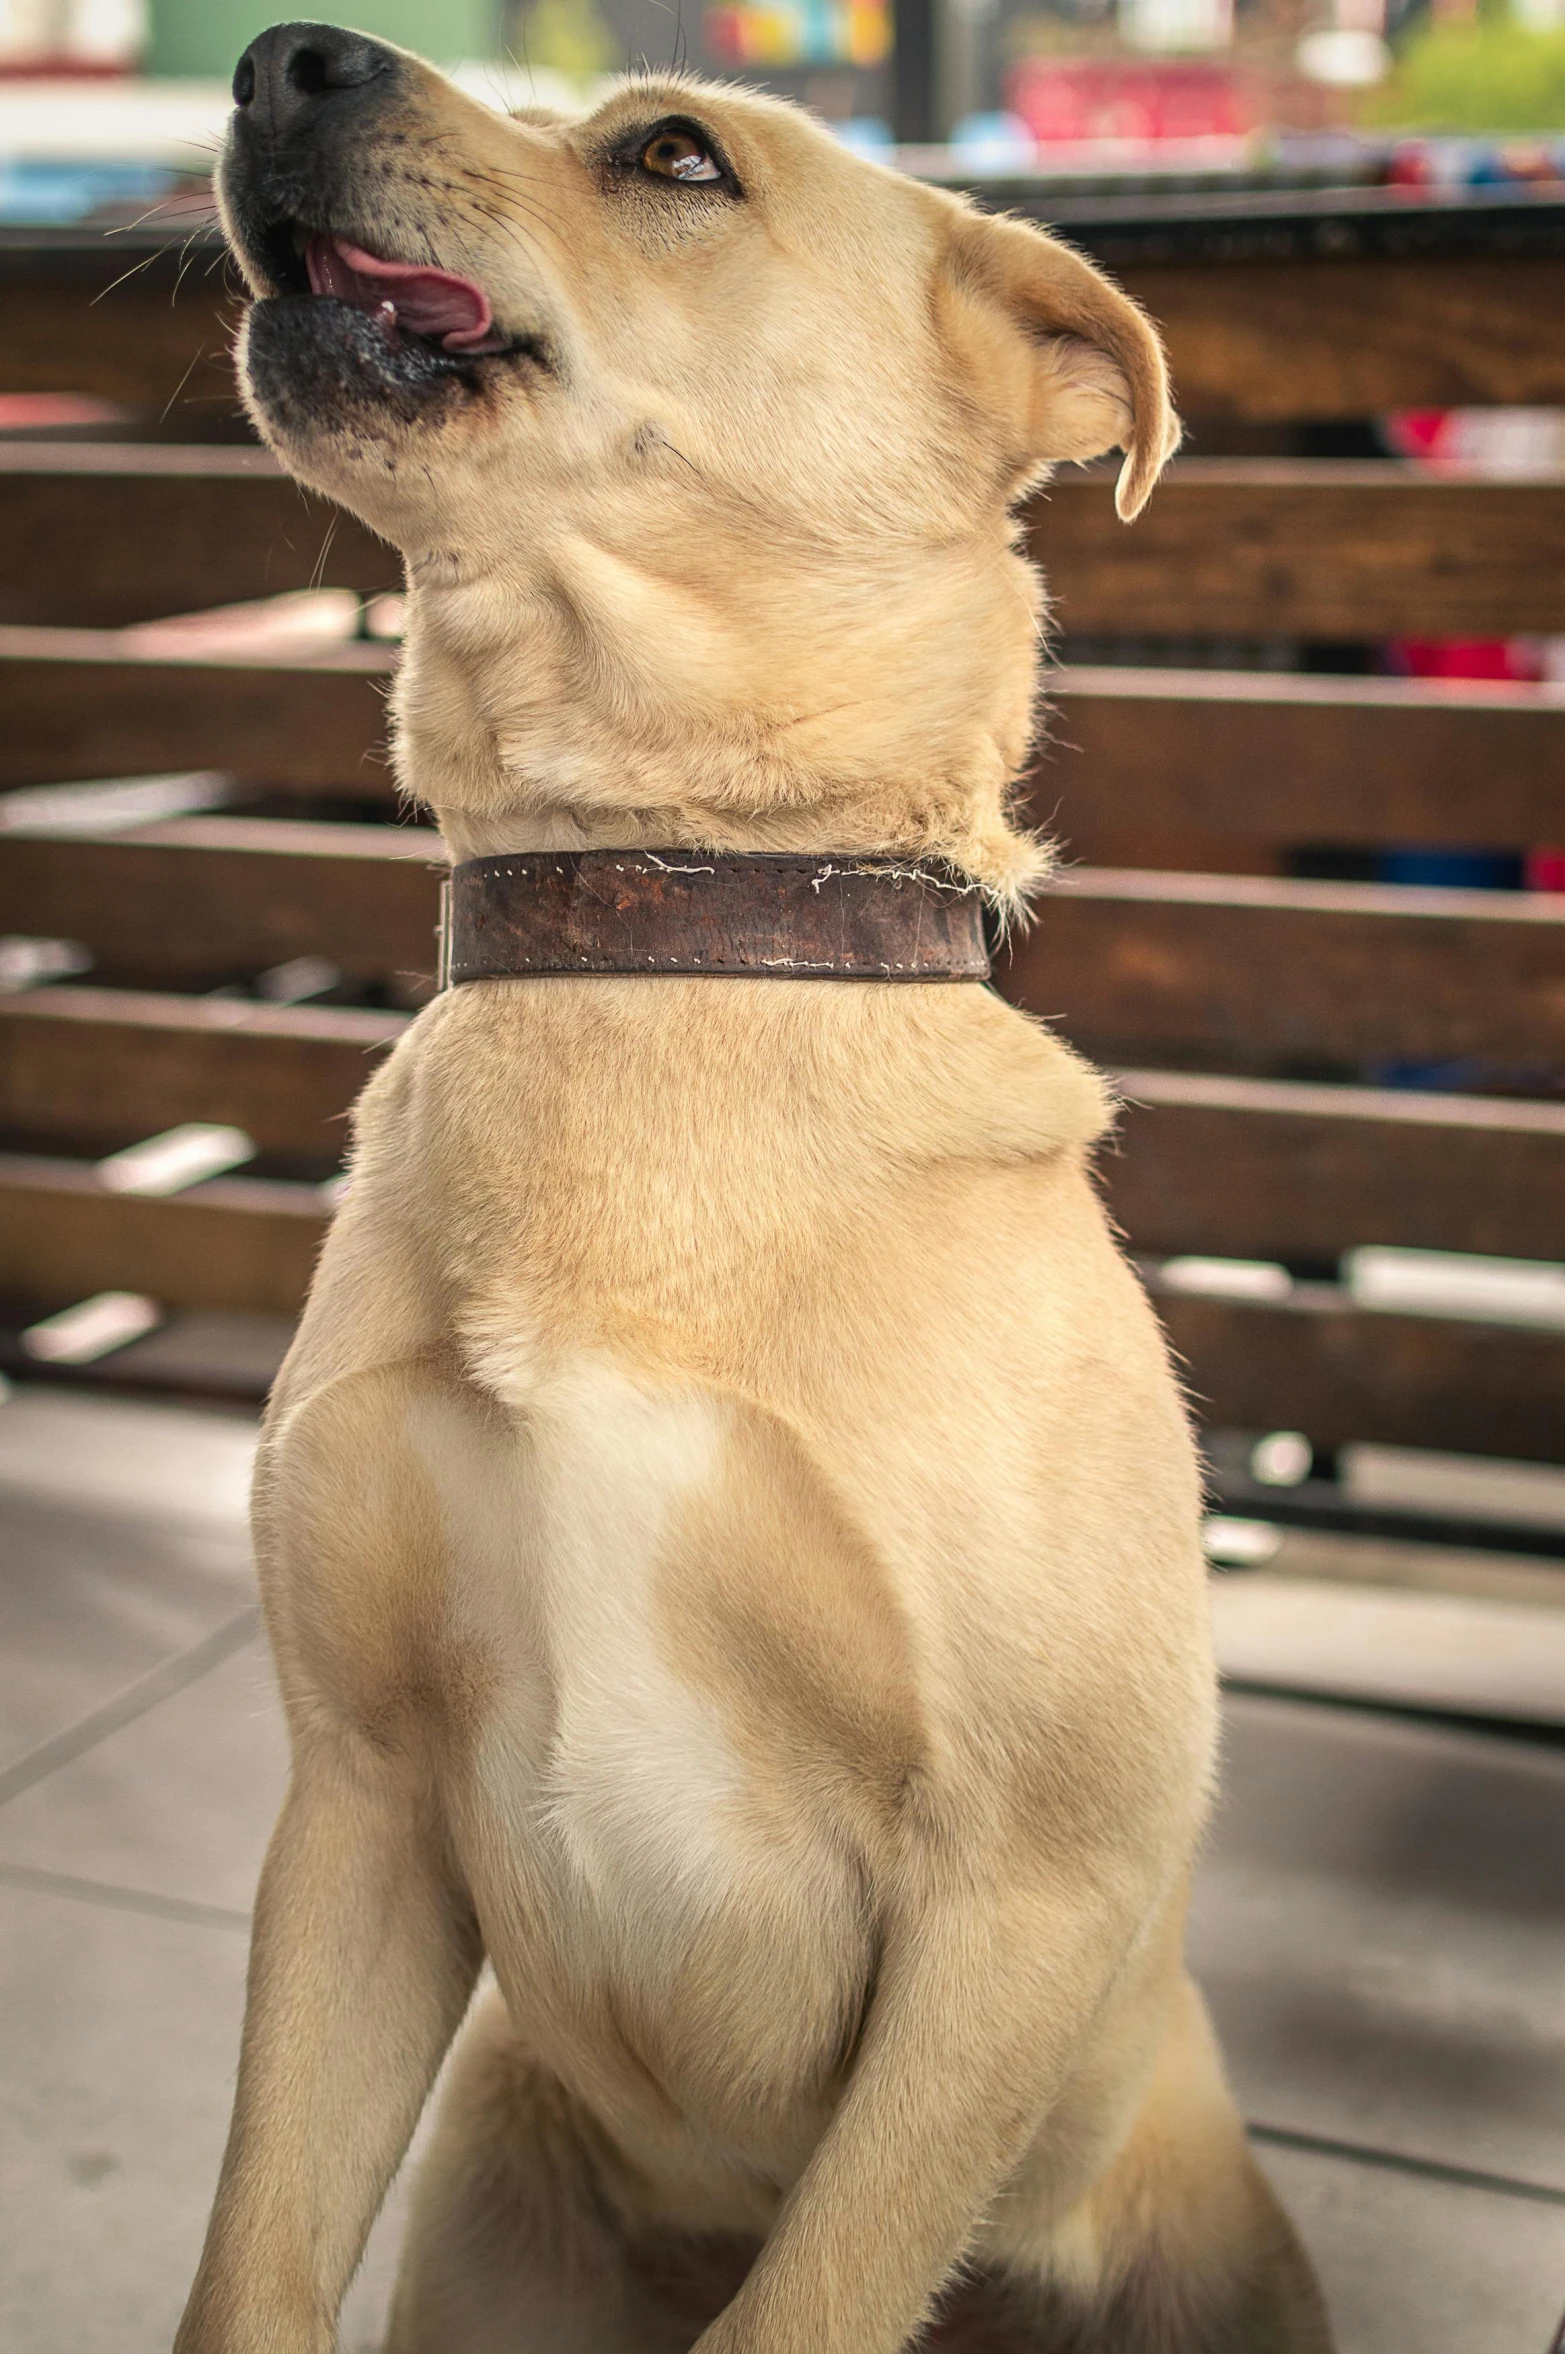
(728, 1526)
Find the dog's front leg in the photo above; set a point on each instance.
(363, 1959)
(978, 2011)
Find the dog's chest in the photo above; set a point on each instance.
(621, 1853)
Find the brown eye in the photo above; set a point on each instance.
(674, 155)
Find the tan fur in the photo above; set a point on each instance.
(728, 1528)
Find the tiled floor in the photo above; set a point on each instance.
(1380, 1925)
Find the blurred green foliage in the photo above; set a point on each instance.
(1491, 74)
(567, 36)
(206, 36)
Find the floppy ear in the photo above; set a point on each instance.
(1076, 365)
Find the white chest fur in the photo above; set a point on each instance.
(599, 1762)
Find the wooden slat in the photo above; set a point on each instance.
(1258, 548)
(203, 900)
(1271, 341)
(127, 320)
(100, 534)
(1340, 1373)
(220, 898)
(1255, 974)
(1250, 973)
(1275, 338)
(1257, 756)
(97, 534)
(99, 1068)
(1256, 1168)
(237, 1242)
(1252, 755)
(1291, 758)
(78, 703)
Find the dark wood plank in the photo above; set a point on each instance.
(94, 1069)
(97, 534)
(1256, 974)
(79, 703)
(1282, 333)
(1265, 1169)
(237, 1242)
(1340, 1373)
(1271, 341)
(204, 900)
(1256, 756)
(1291, 758)
(127, 319)
(1259, 547)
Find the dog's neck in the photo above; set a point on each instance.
(575, 701)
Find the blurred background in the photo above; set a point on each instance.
(1304, 753)
(106, 101)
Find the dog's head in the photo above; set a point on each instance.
(728, 421)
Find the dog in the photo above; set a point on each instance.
(728, 1526)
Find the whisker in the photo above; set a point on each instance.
(180, 386)
(125, 228)
(126, 275)
(318, 572)
(186, 251)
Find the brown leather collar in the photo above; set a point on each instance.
(695, 911)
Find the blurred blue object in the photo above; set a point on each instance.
(1462, 870)
(994, 143)
(867, 135)
(36, 194)
(1464, 1077)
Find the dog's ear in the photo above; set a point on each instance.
(1075, 365)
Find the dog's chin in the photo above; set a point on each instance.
(320, 371)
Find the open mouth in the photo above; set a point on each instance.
(440, 315)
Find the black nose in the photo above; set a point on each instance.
(291, 71)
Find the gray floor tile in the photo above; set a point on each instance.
(180, 1802)
(1380, 1928)
(124, 1543)
(121, 2036)
(1417, 2267)
(1378, 1923)
(175, 1462)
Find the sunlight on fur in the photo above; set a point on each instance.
(728, 1525)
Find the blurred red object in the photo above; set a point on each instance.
(1418, 433)
(32, 412)
(1065, 99)
(1464, 658)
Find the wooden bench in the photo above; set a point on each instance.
(1252, 1018)
(1253, 1167)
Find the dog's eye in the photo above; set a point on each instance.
(675, 155)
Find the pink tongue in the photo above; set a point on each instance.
(426, 302)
